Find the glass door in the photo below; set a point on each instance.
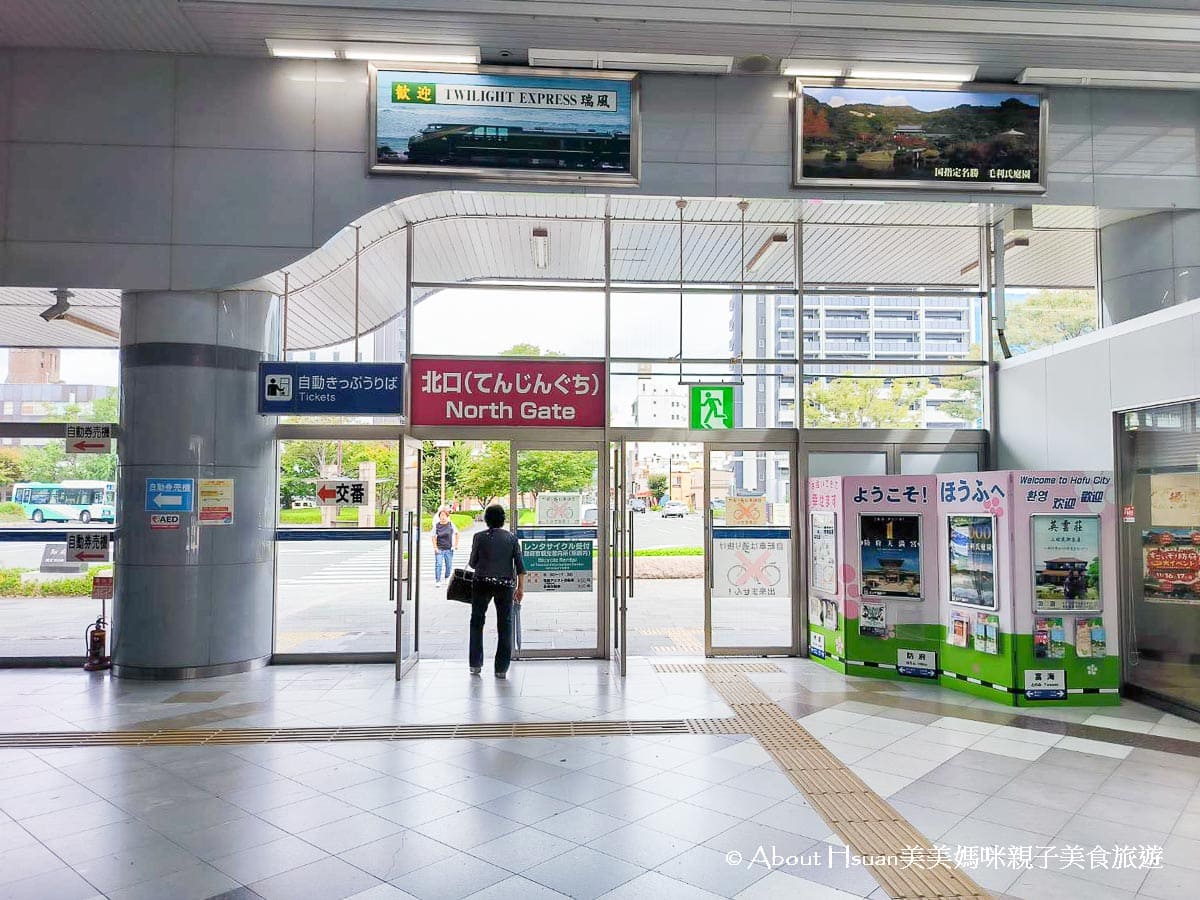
(405, 555)
(750, 502)
(558, 507)
(620, 558)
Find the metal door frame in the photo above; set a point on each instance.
(404, 572)
(594, 444)
(620, 574)
(730, 441)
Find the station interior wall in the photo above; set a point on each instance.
(1055, 405)
(159, 171)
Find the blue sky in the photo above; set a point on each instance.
(926, 101)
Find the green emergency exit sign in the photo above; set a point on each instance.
(711, 407)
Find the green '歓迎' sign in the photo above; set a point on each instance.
(711, 406)
(412, 92)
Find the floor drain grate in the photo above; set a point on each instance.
(714, 668)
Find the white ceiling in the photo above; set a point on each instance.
(471, 237)
(1000, 36)
(21, 326)
(462, 237)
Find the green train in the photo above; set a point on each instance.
(505, 147)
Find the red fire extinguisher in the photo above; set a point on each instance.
(96, 639)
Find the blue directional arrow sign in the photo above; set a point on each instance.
(170, 494)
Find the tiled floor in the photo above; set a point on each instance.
(655, 816)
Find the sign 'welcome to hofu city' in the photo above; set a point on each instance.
(512, 392)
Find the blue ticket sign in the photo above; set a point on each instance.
(330, 388)
(170, 494)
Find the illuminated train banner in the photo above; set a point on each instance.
(535, 126)
(978, 138)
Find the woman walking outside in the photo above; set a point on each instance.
(500, 579)
(445, 542)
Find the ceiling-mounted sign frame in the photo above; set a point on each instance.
(947, 138)
(504, 123)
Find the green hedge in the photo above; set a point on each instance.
(12, 512)
(11, 584)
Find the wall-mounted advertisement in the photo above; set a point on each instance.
(890, 548)
(1066, 563)
(972, 561)
(822, 537)
(978, 138)
(1171, 565)
(519, 125)
(1175, 499)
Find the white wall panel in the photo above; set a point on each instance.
(1022, 417)
(77, 192)
(679, 119)
(1078, 408)
(341, 109)
(753, 121)
(1153, 364)
(212, 268)
(243, 198)
(1056, 405)
(243, 103)
(93, 98)
(130, 266)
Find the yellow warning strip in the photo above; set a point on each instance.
(863, 819)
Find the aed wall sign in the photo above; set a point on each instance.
(509, 392)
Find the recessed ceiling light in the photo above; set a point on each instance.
(448, 54)
(812, 68)
(912, 72)
(641, 62)
(1111, 78)
(301, 49)
(425, 53)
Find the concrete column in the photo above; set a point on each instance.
(198, 600)
(1148, 263)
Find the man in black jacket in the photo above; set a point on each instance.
(499, 578)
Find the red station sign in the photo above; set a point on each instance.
(539, 393)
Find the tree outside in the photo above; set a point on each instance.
(555, 470)
(864, 402)
(485, 474)
(529, 350)
(1048, 317)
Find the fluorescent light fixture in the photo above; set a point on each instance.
(449, 54)
(301, 49)
(541, 247)
(1185, 81)
(639, 62)
(812, 68)
(888, 71)
(420, 53)
(777, 239)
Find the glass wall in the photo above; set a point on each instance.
(750, 568)
(332, 562)
(1159, 472)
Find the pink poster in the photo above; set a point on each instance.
(510, 392)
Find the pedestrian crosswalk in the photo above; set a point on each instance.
(362, 567)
